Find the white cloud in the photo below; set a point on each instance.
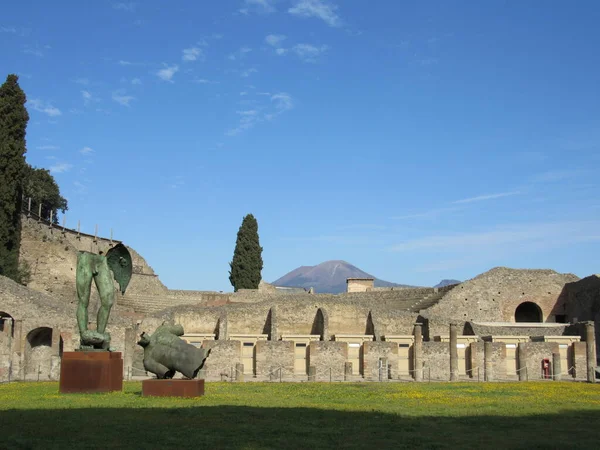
(309, 53)
(192, 54)
(246, 73)
(538, 235)
(125, 63)
(554, 175)
(480, 198)
(136, 81)
(35, 51)
(88, 97)
(283, 101)
(431, 214)
(122, 99)
(281, 51)
(317, 8)
(240, 53)
(167, 73)
(47, 147)
(125, 6)
(264, 6)
(44, 107)
(8, 30)
(279, 103)
(275, 40)
(61, 167)
(86, 151)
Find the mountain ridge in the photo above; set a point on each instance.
(328, 277)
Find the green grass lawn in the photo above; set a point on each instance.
(307, 415)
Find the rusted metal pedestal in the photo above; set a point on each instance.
(99, 371)
(172, 388)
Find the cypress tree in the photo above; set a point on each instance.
(13, 124)
(247, 260)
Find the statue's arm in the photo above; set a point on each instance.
(177, 330)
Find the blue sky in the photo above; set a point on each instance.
(416, 140)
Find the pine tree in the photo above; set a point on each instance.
(13, 124)
(247, 260)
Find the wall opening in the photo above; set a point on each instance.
(38, 354)
(528, 312)
(5, 321)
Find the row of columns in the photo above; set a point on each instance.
(590, 338)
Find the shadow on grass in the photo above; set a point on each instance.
(280, 428)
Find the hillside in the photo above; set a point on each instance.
(328, 277)
(445, 282)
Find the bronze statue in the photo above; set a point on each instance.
(166, 353)
(97, 267)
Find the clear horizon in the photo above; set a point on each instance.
(418, 142)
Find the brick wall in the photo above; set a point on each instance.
(272, 355)
(436, 361)
(531, 354)
(224, 355)
(328, 357)
(372, 351)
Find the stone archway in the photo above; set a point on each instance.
(7, 322)
(528, 312)
(38, 354)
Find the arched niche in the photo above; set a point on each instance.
(321, 324)
(528, 312)
(7, 320)
(38, 354)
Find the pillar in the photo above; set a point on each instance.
(239, 372)
(487, 354)
(556, 368)
(347, 371)
(590, 347)
(453, 352)
(312, 373)
(418, 352)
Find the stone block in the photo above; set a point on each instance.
(88, 372)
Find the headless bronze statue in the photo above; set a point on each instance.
(99, 268)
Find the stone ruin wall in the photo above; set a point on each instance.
(52, 257)
(494, 296)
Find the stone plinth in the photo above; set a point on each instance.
(172, 388)
(96, 371)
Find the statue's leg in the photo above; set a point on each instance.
(106, 291)
(83, 281)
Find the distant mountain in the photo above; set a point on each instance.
(328, 277)
(446, 283)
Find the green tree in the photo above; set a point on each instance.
(13, 125)
(247, 260)
(41, 187)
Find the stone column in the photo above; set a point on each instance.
(418, 352)
(590, 346)
(273, 334)
(453, 352)
(312, 373)
(487, 354)
(347, 371)
(239, 372)
(556, 367)
(223, 333)
(18, 356)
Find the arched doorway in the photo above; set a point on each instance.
(6, 320)
(38, 355)
(528, 312)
